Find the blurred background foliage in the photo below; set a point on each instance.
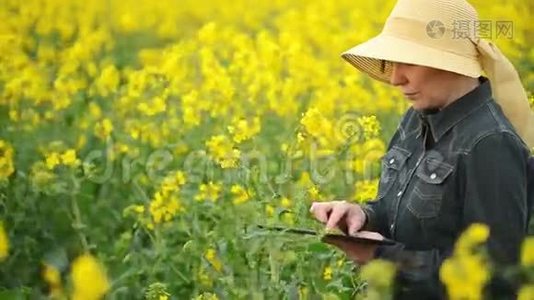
(155, 135)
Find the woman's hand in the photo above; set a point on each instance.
(349, 218)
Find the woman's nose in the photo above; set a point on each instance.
(397, 76)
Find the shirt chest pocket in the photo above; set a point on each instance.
(431, 176)
(393, 164)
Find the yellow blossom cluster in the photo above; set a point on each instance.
(365, 157)
(242, 130)
(240, 194)
(327, 273)
(52, 277)
(6, 160)
(467, 271)
(365, 190)
(4, 242)
(67, 158)
(223, 151)
(370, 126)
(379, 274)
(211, 256)
(166, 202)
(527, 252)
(88, 277)
(209, 191)
(206, 296)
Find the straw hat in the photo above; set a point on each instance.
(441, 34)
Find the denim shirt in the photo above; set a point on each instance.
(443, 170)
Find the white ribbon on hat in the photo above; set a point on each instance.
(507, 89)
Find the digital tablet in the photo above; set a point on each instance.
(359, 237)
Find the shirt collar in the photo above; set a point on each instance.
(440, 121)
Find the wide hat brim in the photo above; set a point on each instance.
(376, 55)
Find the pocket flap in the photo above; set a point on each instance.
(395, 158)
(434, 171)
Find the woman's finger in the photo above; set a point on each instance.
(338, 211)
(321, 210)
(369, 235)
(355, 220)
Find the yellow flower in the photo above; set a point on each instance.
(327, 273)
(153, 107)
(108, 81)
(303, 293)
(156, 291)
(527, 252)
(474, 235)
(69, 158)
(243, 130)
(367, 156)
(222, 150)
(464, 276)
(370, 125)
(466, 272)
(103, 129)
(203, 278)
(241, 195)
(318, 126)
(288, 218)
(206, 296)
(285, 202)
(211, 256)
(52, 277)
(314, 193)
(4, 242)
(191, 111)
(139, 209)
(379, 273)
(6, 160)
(269, 210)
(163, 207)
(526, 292)
(52, 160)
(305, 179)
(210, 191)
(89, 278)
(365, 190)
(94, 110)
(172, 182)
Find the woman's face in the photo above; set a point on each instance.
(425, 87)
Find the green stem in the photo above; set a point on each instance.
(77, 223)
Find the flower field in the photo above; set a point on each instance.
(142, 142)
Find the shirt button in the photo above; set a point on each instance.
(392, 227)
(391, 161)
(433, 176)
(399, 194)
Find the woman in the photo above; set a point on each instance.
(460, 153)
